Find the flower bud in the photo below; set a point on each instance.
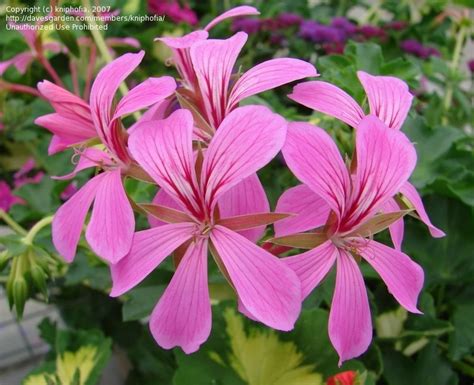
(38, 276)
(20, 293)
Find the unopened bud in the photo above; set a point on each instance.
(38, 277)
(20, 293)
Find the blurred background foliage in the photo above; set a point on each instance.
(427, 43)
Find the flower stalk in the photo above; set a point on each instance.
(12, 223)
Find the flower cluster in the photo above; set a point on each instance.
(415, 48)
(331, 37)
(203, 150)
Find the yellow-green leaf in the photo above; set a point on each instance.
(260, 358)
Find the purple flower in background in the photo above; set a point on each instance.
(277, 38)
(307, 29)
(414, 47)
(173, 10)
(470, 65)
(336, 48)
(318, 33)
(411, 46)
(371, 31)
(396, 25)
(286, 19)
(7, 199)
(249, 26)
(343, 24)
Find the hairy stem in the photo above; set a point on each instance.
(36, 229)
(11, 223)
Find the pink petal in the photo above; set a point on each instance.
(69, 219)
(350, 325)
(389, 98)
(213, 62)
(397, 228)
(185, 41)
(164, 199)
(268, 289)
(110, 230)
(183, 314)
(4, 66)
(328, 99)
(103, 91)
(312, 266)
(180, 54)
(67, 104)
(409, 191)
(243, 10)
(20, 61)
(151, 91)
(90, 157)
(385, 160)
(71, 130)
(118, 41)
(248, 138)
(149, 249)
(314, 158)
(54, 47)
(59, 143)
(158, 111)
(310, 211)
(164, 149)
(28, 32)
(268, 75)
(247, 197)
(403, 277)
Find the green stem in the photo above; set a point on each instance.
(11, 223)
(36, 229)
(454, 64)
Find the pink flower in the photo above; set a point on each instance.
(22, 60)
(7, 199)
(389, 100)
(20, 178)
(172, 9)
(268, 291)
(206, 68)
(111, 227)
(71, 124)
(348, 206)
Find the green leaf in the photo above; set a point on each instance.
(368, 56)
(390, 324)
(39, 197)
(13, 243)
(431, 144)
(233, 354)
(77, 357)
(449, 259)
(141, 302)
(461, 341)
(69, 40)
(428, 368)
(402, 69)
